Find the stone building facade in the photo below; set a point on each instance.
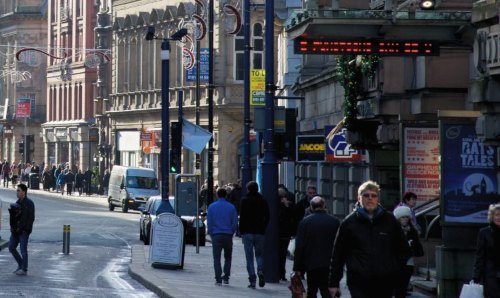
(23, 24)
(68, 134)
(135, 99)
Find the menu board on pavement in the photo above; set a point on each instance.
(167, 242)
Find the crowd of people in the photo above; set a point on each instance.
(376, 248)
(59, 178)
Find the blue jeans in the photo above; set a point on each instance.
(20, 239)
(253, 242)
(220, 242)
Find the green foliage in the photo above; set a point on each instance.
(95, 178)
(350, 72)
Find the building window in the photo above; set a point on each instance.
(256, 54)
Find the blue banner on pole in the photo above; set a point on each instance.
(191, 73)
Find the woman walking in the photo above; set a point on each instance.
(487, 264)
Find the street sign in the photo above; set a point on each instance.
(23, 108)
(337, 148)
(310, 148)
(366, 47)
(257, 87)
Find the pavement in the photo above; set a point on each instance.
(196, 279)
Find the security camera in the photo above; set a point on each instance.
(179, 34)
(150, 33)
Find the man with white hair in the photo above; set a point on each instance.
(371, 244)
(313, 247)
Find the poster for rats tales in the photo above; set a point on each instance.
(470, 174)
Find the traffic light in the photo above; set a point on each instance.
(21, 148)
(176, 145)
(175, 163)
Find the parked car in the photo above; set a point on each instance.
(189, 222)
(130, 188)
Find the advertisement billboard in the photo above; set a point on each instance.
(470, 174)
(310, 148)
(421, 162)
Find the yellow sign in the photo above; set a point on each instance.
(257, 87)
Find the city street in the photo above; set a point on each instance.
(99, 253)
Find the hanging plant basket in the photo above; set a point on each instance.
(350, 72)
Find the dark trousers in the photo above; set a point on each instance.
(372, 288)
(20, 239)
(222, 242)
(283, 249)
(317, 279)
(69, 188)
(403, 281)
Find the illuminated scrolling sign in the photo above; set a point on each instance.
(366, 47)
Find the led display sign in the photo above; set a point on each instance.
(366, 47)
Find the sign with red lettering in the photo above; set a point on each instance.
(421, 162)
(23, 108)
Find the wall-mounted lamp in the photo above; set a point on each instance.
(427, 4)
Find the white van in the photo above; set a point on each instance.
(130, 187)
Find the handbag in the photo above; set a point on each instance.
(296, 286)
(472, 290)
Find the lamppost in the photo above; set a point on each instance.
(165, 121)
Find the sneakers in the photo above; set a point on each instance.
(218, 283)
(251, 286)
(225, 280)
(20, 272)
(18, 268)
(262, 282)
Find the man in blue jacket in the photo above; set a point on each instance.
(222, 221)
(372, 245)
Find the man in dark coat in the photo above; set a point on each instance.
(302, 206)
(88, 181)
(314, 246)
(21, 229)
(286, 227)
(70, 180)
(254, 217)
(371, 243)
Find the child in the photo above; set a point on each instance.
(403, 215)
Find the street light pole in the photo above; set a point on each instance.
(165, 121)
(270, 163)
(165, 105)
(210, 165)
(246, 168)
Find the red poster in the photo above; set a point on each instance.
(23, 108)
(421, 162)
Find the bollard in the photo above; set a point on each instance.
(66, 234)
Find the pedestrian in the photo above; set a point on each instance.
(222, 222)
(313, 247)
(105, 182)
(254, 217)
(47, 178)
(79, 177)
(69, 180)
(302, 206)
(6, 173)
(286, 227)
(403, 215)
(371, 243)
(409, 200)
(57, 172)
(88, 181)
(487, 262)
(21, 229)
(61, 180)
(234, 196)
